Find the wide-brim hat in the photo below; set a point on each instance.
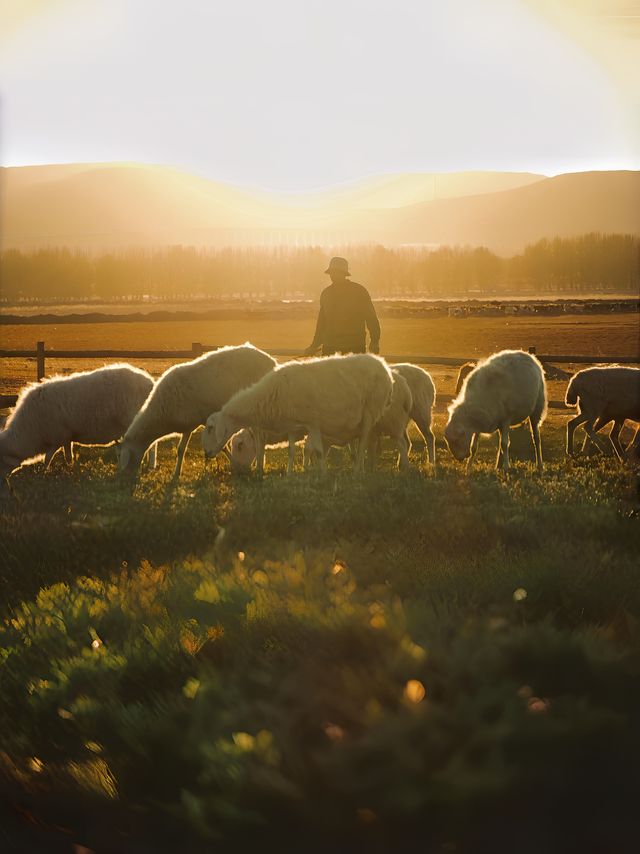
(338, 265)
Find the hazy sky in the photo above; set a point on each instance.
(297, 94)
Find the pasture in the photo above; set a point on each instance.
(434, 659)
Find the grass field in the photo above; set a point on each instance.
(439, 660)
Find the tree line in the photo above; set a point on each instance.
(591, 262)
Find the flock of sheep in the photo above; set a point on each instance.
(247, 402)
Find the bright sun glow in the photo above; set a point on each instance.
(294, 96)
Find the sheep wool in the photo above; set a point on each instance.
(423, 394)
(337, 396)
(394, 421)
(503, 391)
(186, 394)
(88, 407)
(603, 394)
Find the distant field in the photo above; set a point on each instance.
(597, 335)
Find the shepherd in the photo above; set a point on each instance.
(345, 310)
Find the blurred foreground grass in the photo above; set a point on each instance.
(300, 664)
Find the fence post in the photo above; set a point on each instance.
(532, 350)
(40, 361)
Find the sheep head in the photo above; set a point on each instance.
(129, 457)
(458, 436)
(243, 449)
(217, 432)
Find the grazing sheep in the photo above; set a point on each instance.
(337, 396)
(243, 444)
(423, 393)
(89, 407)
(186, 394)
(503, 391)
(603, 394)
(394, 422)
(463, 373)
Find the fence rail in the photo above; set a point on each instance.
(41, 354)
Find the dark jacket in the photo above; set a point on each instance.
(345, 309)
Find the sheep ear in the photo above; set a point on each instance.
(124, 456)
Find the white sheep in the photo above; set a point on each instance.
(423, 393)
(392, 423)
(463, 373)
(243, 445)
(89, 407)
(603, 394)
(505, 390)
(185, 395)
(337, 396)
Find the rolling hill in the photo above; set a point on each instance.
(97, 206)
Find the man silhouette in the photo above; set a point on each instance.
(345, 310)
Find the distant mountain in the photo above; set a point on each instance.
(98, 206)
(566, 206)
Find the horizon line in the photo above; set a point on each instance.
(318, 188)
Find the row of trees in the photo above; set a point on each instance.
(590, 262)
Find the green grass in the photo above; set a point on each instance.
(240, 663)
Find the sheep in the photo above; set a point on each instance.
(423, 393)
(422, 389)
(392, 423)
(185, 395)
(337, 396)
(503, 391)
(603, 394)
(463, 373)
(88, 407)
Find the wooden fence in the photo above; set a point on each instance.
(41, 354)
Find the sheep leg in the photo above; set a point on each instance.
(431, 447)
(152, 455)
(67, 450)
(404, 446)
(614, 436)
(373, 451)
(317, 448)
(572, 424)
(49, 455)
(591, 433)
(291, 459)
(504, 448)
(259, 439)
(365, 433)
(474, 449)
(587, 443)
(182, 447)
(633, 446)
(534, 423)
(426, 432)
(307, 456)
